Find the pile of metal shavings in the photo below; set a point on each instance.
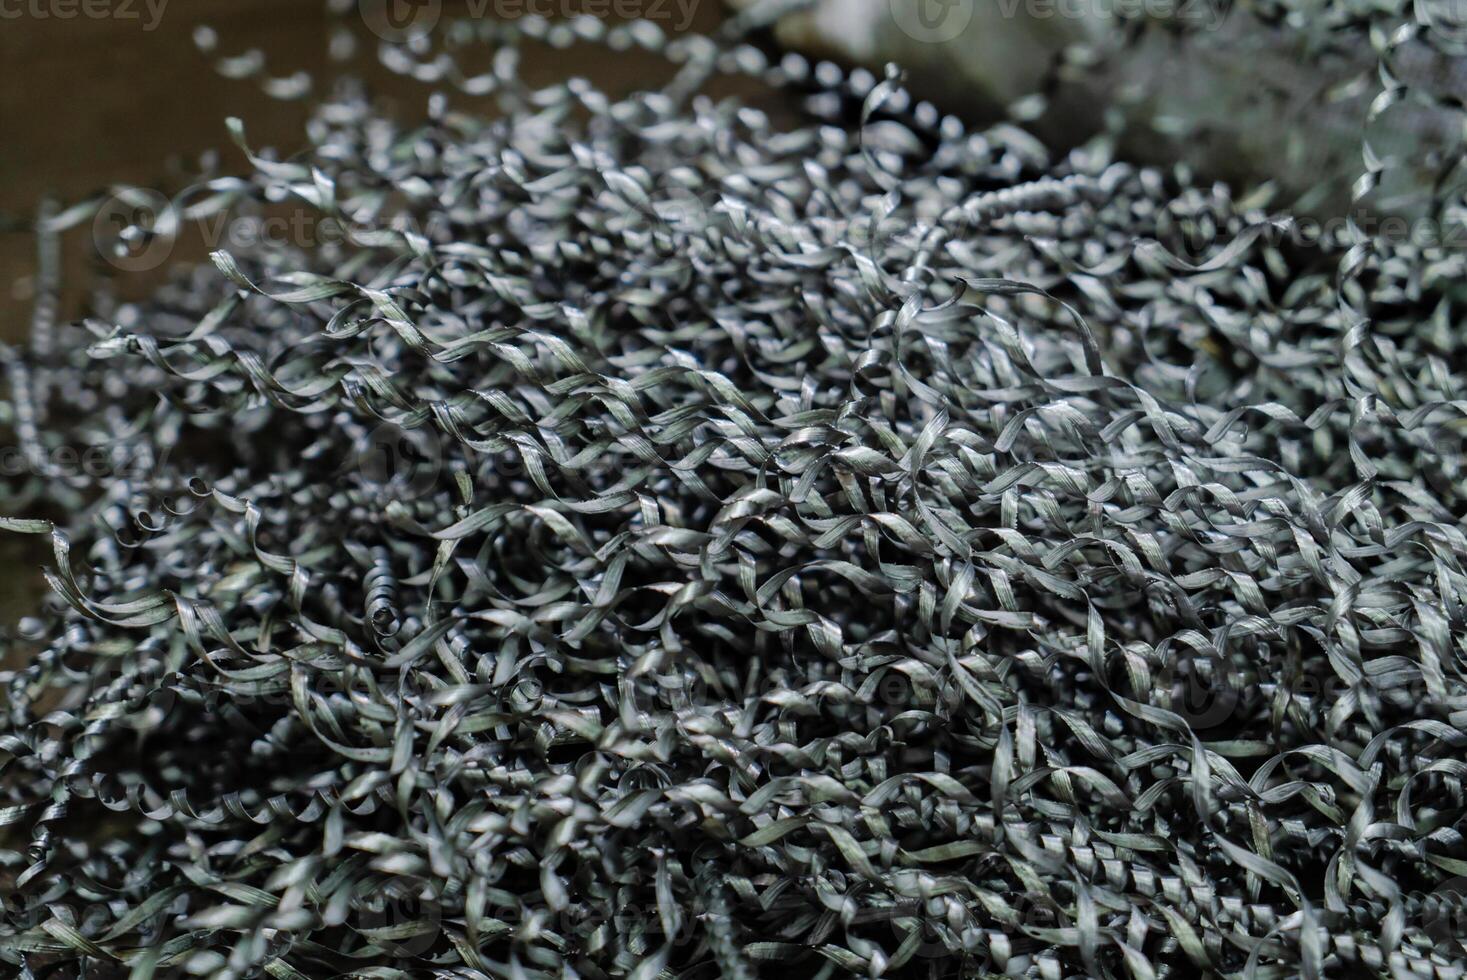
(652, 541)
(1328, 101)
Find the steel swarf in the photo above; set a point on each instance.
(634, 535)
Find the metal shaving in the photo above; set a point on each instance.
(653, 540)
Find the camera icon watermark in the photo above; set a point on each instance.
(895, 689)
(134, 230)
(152, 517)
(137, 229)
(944, 929)
(401, 919)
(1445, 19)
(1442, 917)
(1204, 691)
(399, 21)
(673, 214)
(938, 928)
(932, 21)
(405, 463)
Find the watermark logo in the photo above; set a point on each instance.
(134, 229)
(904, 235)
(398, 21)
(1198, 242)
(1443, 916)
(680, 689)
(1203, 15)
(404, 463)
(401, 919)
(895, 689)
(141, 682)
(676, 213)
(932, 934)
(946, 929)
(932, 21)
(153, 517)
(684, 928)
(1447, 19)
(942, 21)
(88, 465)
(1204, 691)
(1207, 693)
(150, 12)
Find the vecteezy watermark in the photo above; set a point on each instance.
(1442, 916)
(1209, 693)
(405, 463)
(942, 21)
(1197, 242)
(1204, 691)
(675, 214)
(1393, 228)
(114, 461)
(150, 12)
(677, 927)
(1446, 19)
(404, 920)
(401, 919)
(399, 21)
(932, 21)
(944, 928)
(903, 233)
(136, 228)
(1206, 15)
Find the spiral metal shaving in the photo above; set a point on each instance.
(657, 541)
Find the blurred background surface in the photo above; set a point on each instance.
(130, 99)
